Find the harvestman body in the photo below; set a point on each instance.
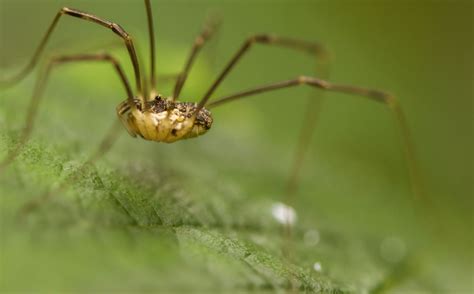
(164, 120)
(148, 115)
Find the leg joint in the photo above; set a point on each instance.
(108, 57)
(116, 28)
(391, 100)
(302, 80)
(384, 97)
(313, 81)
(261, 38)
(66, 10)
(199, 41)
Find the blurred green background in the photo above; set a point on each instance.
(354, 183)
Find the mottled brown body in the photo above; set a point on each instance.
(164, 120)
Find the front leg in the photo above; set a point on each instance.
(40, 87)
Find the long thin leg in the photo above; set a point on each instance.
(313, 48)
(309, 124)
(375, 95)
(322, 59)
(39, 89)
(209, 28)
(309, 121)
(151, 36)
(117, 29)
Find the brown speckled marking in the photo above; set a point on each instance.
(165, 120)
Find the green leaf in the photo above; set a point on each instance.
(196, 216)
(119, 229)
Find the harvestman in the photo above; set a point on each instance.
(148, 115)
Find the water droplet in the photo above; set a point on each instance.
(317, 266)
(283, 213)
(311, 237)
(392, 249)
